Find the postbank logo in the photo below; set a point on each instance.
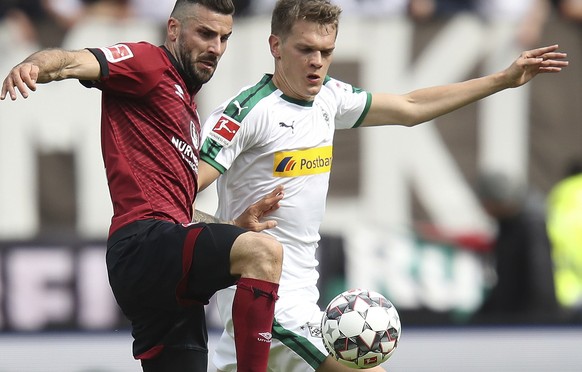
(303, 162)
(117, 53)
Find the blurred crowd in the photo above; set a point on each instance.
(46, 22)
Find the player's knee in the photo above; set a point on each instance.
(267, 257)
(257, 255)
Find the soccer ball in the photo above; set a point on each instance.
(361, 328)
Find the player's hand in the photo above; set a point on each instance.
(533, 62)
(22, 77)
(251, 218)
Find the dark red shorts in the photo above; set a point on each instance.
(162, 274)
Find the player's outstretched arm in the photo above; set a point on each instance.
(46, 66)
(426, 104)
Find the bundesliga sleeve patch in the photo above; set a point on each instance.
(224, 130)
(117, 53)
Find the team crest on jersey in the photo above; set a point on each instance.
(117, 53)
(195, 135)
(303, 162)
(224, 130)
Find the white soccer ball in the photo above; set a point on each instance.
(361, 328)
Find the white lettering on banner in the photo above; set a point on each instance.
(39, 283)
(97, 307)
(393, 162)
(414, 158)
(56, 287)
(412, 274)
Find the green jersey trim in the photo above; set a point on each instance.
(299, 344)
(366, 109)
(296, 101)
(238, 109)
(242, 104)
(213, 162)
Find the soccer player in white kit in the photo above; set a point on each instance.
(280, 132)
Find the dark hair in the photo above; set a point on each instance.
(219, 6)
(288, 12)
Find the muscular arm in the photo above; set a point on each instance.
(206, 175)
(425, 104)
(49, 65)
(200, 216)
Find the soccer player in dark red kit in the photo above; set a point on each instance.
(164, 261)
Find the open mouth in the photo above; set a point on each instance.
(313, 78)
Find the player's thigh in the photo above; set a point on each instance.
(211, 261)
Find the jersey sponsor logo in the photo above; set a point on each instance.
(189, 155)
(224, 130)
(303, 162)
(117, 53)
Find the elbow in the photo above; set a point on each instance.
(411, 123)
(412, 120)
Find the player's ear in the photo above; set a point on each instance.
(275, 45)
(173, 28)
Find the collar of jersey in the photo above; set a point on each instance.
(295, 101)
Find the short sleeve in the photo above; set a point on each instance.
(353, 103)
(131, 69)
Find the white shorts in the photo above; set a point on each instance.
(296, 346)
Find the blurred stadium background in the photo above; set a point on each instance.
(402, 218)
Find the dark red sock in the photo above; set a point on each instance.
(252, 315)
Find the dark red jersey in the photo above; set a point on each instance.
(150, 133)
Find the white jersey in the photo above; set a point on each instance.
(260, 139)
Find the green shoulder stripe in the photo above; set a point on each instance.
(242, 104)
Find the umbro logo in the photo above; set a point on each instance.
(265, 337)
(179, 91)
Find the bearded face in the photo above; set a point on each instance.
(199, 67)
(201, 41)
